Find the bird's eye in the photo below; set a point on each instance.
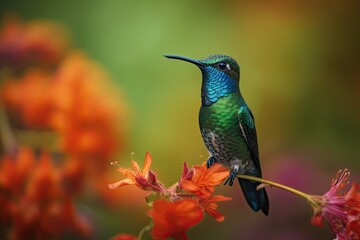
(222, 65)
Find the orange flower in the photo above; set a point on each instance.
(15, 172)
(172, 219)
(134, 175)
(86, 114)
(28, 99)
(204, 179)
(209, 205)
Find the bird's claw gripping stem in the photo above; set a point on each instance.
(231, 178)
(211, 161)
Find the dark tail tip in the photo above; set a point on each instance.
(256, 199)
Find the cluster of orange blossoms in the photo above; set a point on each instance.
(180, 206)
(33, 201)
(48, 89)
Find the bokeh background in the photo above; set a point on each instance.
(300, 74)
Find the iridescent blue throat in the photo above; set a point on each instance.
(215, 85)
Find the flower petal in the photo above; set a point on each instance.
(172, 219)
(147, 163)
(220, 198)
(136, 167)
(209, 205)
(317, 220)
(215, 214)
(191, 187)
(121, 183)
(217, 174)
(142, 183)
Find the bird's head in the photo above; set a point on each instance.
(220, 78)
(214, 65)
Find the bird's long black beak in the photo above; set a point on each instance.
(190, 60)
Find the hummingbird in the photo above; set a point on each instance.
(227, 125)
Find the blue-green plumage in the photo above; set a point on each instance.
(227, 125)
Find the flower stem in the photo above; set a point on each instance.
(281, 186)
(145, 230)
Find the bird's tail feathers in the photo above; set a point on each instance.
(256, 199)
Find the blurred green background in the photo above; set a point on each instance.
(300, 74)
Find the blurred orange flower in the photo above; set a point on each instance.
(15, 171)
(204, 179)
(14, 174)
(172, 219)
(47, 86)
(28, 99)
(34, 42)
(33, 201)
(73, 174)
(86, 116)
(44, 184)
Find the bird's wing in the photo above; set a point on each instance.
(248, 130)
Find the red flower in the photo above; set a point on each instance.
(210, 206)
(353, 201)
(124, 236)
(186, 174)
(44, 184)
(15, 172)
(33, 203)
(172, 219)
(204, 179)
(34, 42)
(342, 211)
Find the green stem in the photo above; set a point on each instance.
(281, 186)
(143, 231)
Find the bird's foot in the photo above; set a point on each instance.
(211, 161)
(231, 178)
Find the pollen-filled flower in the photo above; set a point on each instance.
(172, 219)
(134, 173)
(142, 178)
(341, 211)
(210, 206)
(204, 179)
